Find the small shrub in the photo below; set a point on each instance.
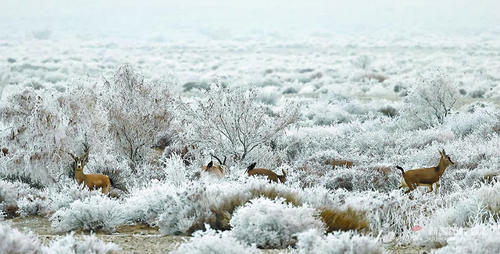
(313, 241)
(14, 242)
(478, 239)
(211, 241)
(94, 213)
(272, 223)
(88, 245)
(145, 205)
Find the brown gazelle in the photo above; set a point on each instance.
(271, 176)
(341, 163)
(92, 181)
(426, 176)
(217, 170)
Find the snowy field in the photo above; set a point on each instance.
(332, 113)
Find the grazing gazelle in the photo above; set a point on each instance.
(92, 181)
(271, 176)
(425, 176)
(217, 170)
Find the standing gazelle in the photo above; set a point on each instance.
(425, 176)
(92, 181)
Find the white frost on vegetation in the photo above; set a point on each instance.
(272, 223)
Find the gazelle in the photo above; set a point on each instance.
(341, 163)
(271, 176)
(4, 151)
(217, 170)
(92, 181)
(425, 176)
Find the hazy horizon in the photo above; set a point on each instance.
(225, 19)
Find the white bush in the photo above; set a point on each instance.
(314, 241)
(147, 204)
(231, 122)
(88, 245)
(211, 241)
(272, 223)
(33, 205)
(94, 213)
(430, 100)
(14, 242)
(478, 239)
(175, 169)
(186, 209)
(138, 113)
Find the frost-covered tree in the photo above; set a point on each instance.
(138, 112)
(430, 100)
(233, 122)
(43, 126)
(35, 126)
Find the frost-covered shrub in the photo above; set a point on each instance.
(175, 170)
(232, 122)
(272, 223)
(94, 213)
(186, 211)
(478, 239)
(37, 205)
(46, 124)
(57, 196)
(429, 101)
(478, 119)
(88, 245)
(432, 236)
(467, 208)
(12, 194)
(145, 205)
(314, 241)
(8, 194)
(138, 112)
(210, 241)
(13, 242)
(34, 123)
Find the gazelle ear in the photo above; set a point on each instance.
(210, 164)
(444, 153)
(252, 166)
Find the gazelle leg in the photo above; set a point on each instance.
(430, 188)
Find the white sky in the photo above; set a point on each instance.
(226, 18)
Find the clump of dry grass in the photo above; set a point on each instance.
(350, 219)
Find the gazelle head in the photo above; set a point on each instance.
(283, 176)
(80, 162)
(215, 169)
(445, 159)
